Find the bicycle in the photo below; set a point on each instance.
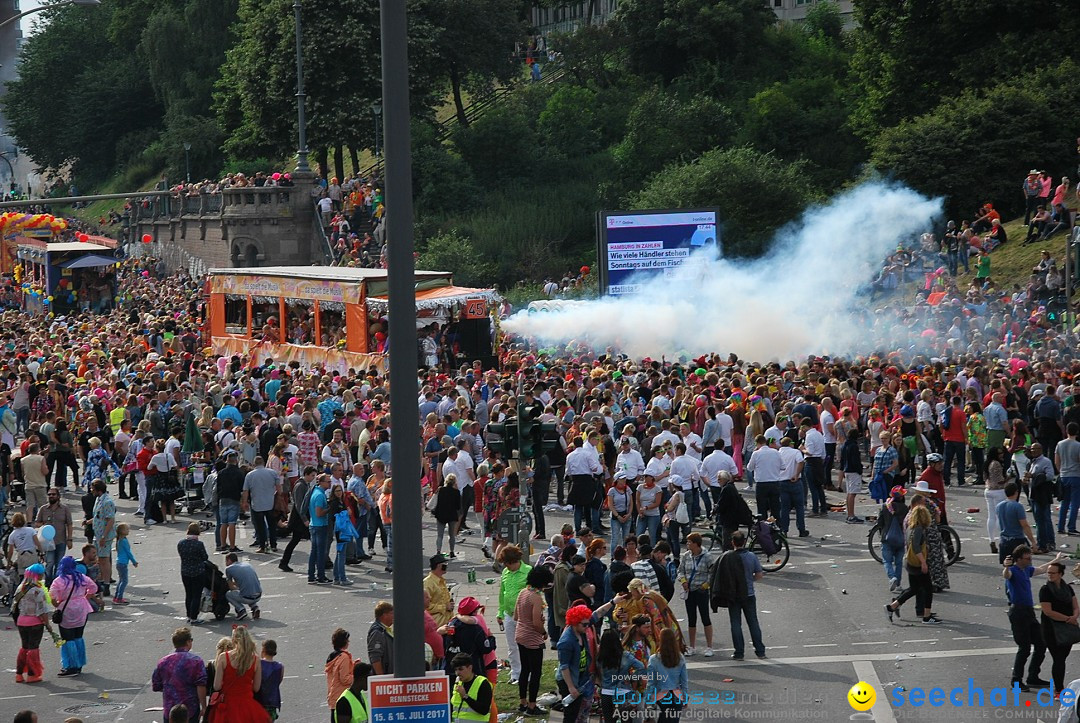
(950, 539)
(769, 562)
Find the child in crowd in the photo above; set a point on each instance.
(273, 672)
(123, 557)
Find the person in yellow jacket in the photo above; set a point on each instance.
(473, 695)
(352, 705)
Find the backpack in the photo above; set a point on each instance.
(946, 417)
(305, 506)
(765, 538)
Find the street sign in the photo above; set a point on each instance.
(410, 700)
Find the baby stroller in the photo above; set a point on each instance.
(9, 580)
(214, 589)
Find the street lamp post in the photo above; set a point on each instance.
(376, 110)
(81, 3)
(187, 160)
(401, 287)
(301, 152)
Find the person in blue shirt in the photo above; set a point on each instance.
(668, 682)
(318, 509)
(1012, 521)
(358, 488)
(229, 411)
(1027, 634)
(575, 660)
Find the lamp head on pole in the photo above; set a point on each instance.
(187, 146)
(376, 108)
(86, 3)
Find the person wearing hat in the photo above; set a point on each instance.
(931, 476)
(440, 601)
(466, 634)
(33, 605)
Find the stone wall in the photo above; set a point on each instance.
(241, 227)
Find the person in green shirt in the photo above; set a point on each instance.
(512, 581)
(982, 269)
(352, 705)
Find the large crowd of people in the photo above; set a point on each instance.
(977, 387)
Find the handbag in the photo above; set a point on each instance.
(58, 615)
(432, 501)
(682, 514)
(216, 698)
(1066, 634)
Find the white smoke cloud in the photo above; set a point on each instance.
(797, 299)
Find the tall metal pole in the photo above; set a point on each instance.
(301, 152)
(187, 160)
(1068, 283)
(404, 421)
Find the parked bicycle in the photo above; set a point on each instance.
(773, 551)
(950, 540)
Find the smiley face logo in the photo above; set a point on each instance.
(861, 697)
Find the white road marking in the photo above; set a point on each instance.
(924, 640)
(850, 658)
(823, 645)
(876, 642)
(882, 710)
(862, 559)
(18, 697)
(974, 637)
(69, 692)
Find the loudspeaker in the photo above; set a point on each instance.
(474, 337)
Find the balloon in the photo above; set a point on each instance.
(48, 532)
(147, 238)
(50, 298)
(276, 176)
(700, 401)
(584, 270)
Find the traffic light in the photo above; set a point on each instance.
(502, 437)
(549, 437)
(528, 428)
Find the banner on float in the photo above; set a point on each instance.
(316, 289)
(255, 352)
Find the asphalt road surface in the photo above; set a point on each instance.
(822, 620)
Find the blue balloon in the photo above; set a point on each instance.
(48, 532)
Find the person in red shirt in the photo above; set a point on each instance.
(955, 437)
(935, 463)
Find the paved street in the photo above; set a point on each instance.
(821, 615)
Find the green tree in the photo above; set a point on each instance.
(499, 146)
(806, 118)
(476, 40)
(825, 21)
(456, 253)
(910, 55)
(756, 193)
(79, 94)
(568, 124)
(667, 127)
(668, 37)
(977, 148)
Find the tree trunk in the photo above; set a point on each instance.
(354, 158)
(589, 13)
(339, 162)
(455, 84)
(321, 161)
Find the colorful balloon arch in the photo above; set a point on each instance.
(14, 222)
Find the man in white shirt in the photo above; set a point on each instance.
(813, 446)
(727, 425)
(792, 493)
(708, 473)
(778, 430)
(694, 446)
(768, 469)
(684, 468)
(659, 465)
(584, 469)
(828, 432)
(629, 462)
(666, 435)
(460, 464)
